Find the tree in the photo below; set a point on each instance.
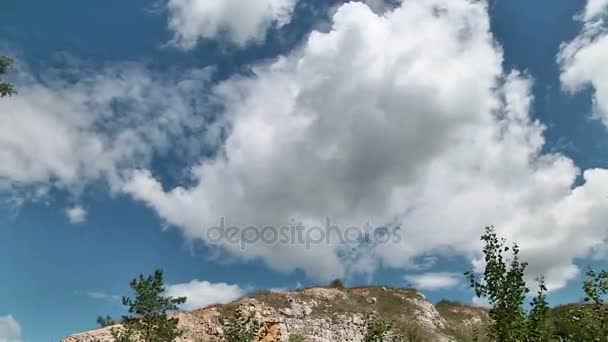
(147, 320)
(539, 325)
(6, 89)
(592, 317)
(586, 321)
(596, 288)
(504, 287)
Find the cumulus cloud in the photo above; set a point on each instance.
(65, 134)
(10, 330)
(76, 214)
(203, 293)
(582, 60)
(434, 280)
(405, 118)
(240, 21)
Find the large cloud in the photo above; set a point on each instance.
(583, 60)
(406, 117)
(240, 21)
(69, 133)
(10, 330)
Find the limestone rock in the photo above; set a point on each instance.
(324, 315)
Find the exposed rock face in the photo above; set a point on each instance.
(325, 315)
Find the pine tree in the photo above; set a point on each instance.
(147, 320)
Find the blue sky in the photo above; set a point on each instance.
(149, 120)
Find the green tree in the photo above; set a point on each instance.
(147, 320)
(586, 321)
(596, 288)
(504, 287)
(6, 89)
(539, 325)
(591, 319)
(574, 322)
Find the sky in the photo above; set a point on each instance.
(276, 144)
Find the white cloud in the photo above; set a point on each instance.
(371, 121)
(594, 8)
(203, 293)
(10, 330)
(102, 296)
(64, 134)
(582, 60)
(435, 280)
(76, 214)
(240, 21)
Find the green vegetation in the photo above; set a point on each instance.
(380, 330)
(586, 321)
(539, 327)
(502, 285)
(296, 338)
(242, 327)
(147, 320)
(337, 284)
(6, 89)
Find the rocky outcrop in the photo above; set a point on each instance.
(325, 315)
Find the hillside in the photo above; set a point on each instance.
(329, 314)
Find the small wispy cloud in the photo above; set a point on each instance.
(97, 295)
(102, 296)
(76, 214)
(434, 280)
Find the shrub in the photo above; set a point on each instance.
(337, 284)
(242, 327)
(379, 330)
(296, 338)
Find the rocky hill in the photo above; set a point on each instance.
(327, 315)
